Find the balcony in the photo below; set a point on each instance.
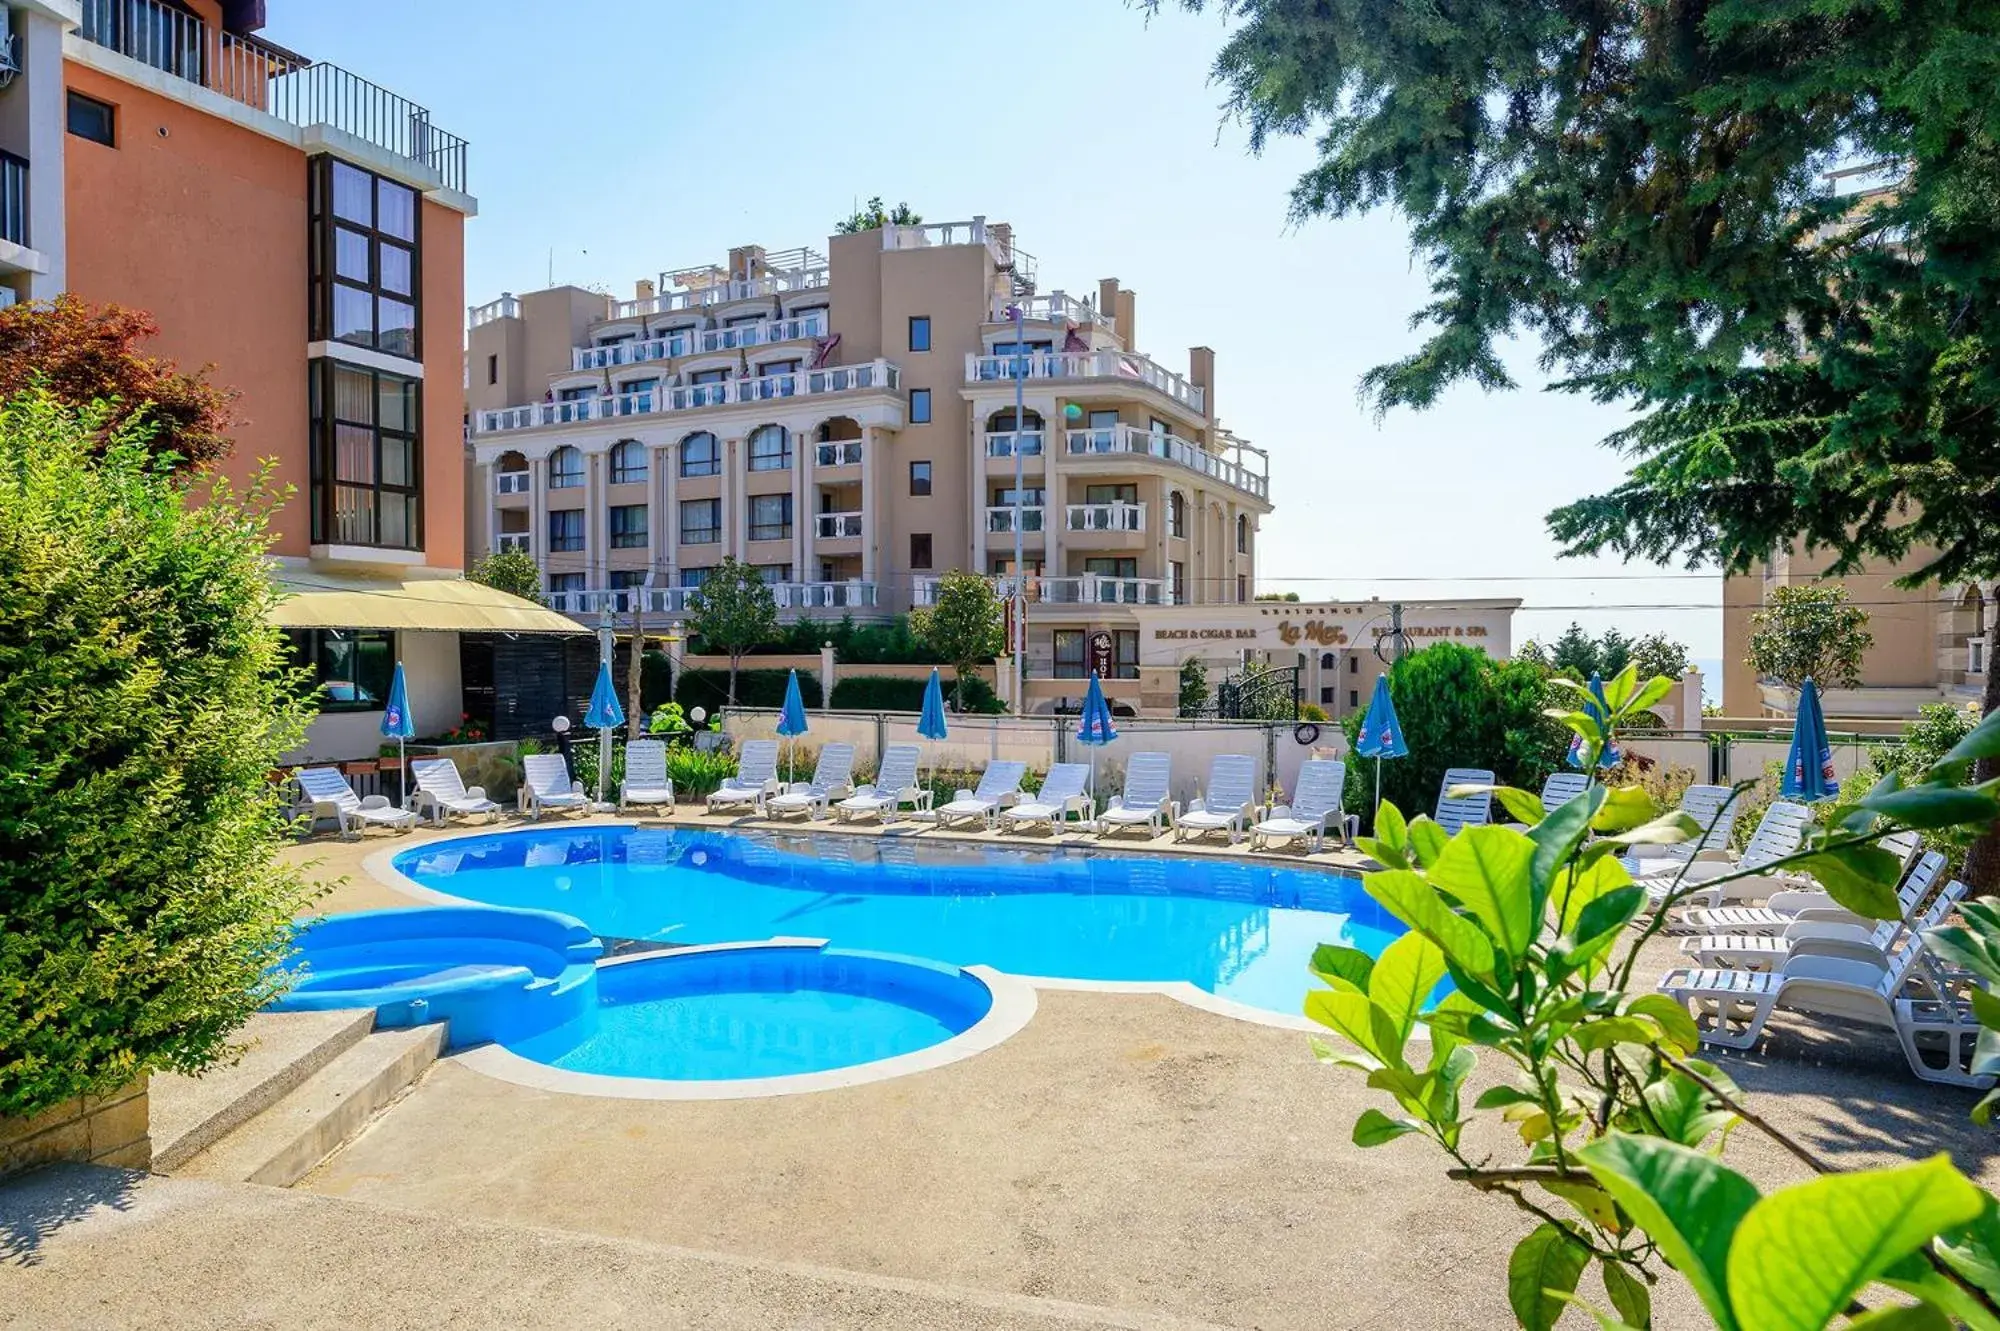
(837, 526)
(587, 605)
(1096, 589)
(722, 292)
(1006, 444)
(1105, 517)
(511, 482)
(698, 341)
(275, 82)
(1126, 366)
(839, 453)
(1233, 468)
(14, 199)
(507, 307)
(1056, 307)
(513, 540)
(1001, 518)
(881, 375)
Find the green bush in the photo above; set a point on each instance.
(886, 693)
(693, 772)
(144, 701)
(656, 680)
(891, 643)
(1460, 708)
(709, 689)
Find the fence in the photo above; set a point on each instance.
(1724, 757)
(975, 741)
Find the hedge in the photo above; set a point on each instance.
(887, 693)
(709, 689)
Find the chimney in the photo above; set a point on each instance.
(643, 289)
(1128, 318)
(1107, 302)
(1201, 373)
(1002, 236)
(746, 261)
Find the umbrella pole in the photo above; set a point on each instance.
(1378, 791)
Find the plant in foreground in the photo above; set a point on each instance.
(1621, 1126)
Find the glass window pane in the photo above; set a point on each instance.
(350, 254)
(398, 205)
(395, 262)
(398, 398)
(351, 191)
(353, 315)
(398, 521)
(353, 395)
(398, 335)
(353, 515)
(398, 455)
(354, 453)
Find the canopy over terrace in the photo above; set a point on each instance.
(321, 600)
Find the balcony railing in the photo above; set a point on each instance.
(1000, 444)
(721, 293)
(852, 595)
(1124, 365)
(511, 482)
(837, 526)
(881, 374)
(1097, 589)
(694, 341)
(1000, 518)
(1105, 517)
(507, 307)
(298, 92)
(13, 198)
(839, 453)
(1174, 449)
(514, 540)
(1056, 307)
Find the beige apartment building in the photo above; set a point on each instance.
(1931, 644)
(845, 422)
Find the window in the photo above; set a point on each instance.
(1353, 665)
(920, 478)
(365, 259)
(493, 369)
(1353, 699)
(700, 455)
(920, 332)
(1069, 647)
(770, 517)
(366, 463)
(920, 406)
(639, 395)
(565, 530)
(1112, 568)
(628, 527)
(1031, 496)
(1177, 514)
(93, 120)
(771, 448)
(773, 574)
(1327, 661)
(1125, 654)
(1177, 581)
(1242, 588)
(624, 579)
(565, 582)
(628, 462)
(1110, 494)
(350, 667)
(693, 577)
(701, 521)
(565, 468)
(920, 549)
(1326, 695)
(1104, 418)
(1242, 534)
(582, 394)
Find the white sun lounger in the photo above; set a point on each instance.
(999, 786)
(756, 778)
(1713, 811)
(894, 786)
(1783, 909)
(646, 780)
(1778, 834)
(1561, 788)
(1062, 793)
(1871, 940)
(441, 792)
(1146, 800)
(1316, 805)
(1456, 812)
(1226, 802)
(833, 773)
(545, 784)
(333, 798)
(1731, 1006)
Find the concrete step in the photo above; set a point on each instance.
(190, 1114)
(281, 1144)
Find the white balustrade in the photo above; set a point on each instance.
(1000, 518)
(1105, 517)
(514, 540)
(1097, 589)
(1172, 448)
(1086, 365)
(722, 293)
(1057, 307)
(510, 482)
(840, 453)
(879, 375)
(838, 526)
(852, 595)
(1002, 444)
(507, 307)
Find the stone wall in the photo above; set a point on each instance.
(100, 1129)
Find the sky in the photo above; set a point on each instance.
(654, 134)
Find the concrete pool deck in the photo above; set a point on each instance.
(1124, 1160)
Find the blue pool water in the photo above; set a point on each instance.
(1241, 930)
(760, 1012)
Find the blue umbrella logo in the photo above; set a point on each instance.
(1093, 726)
(1381, 734)
(1599, 709)
(396, 723)
(606, 716)
(1809, 766)
(792, 717)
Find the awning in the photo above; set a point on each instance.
(317, 600)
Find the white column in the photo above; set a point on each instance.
(538, 513)
(805, 524)
(1055, 444)
(735, 458)
(871, 445)
(593, 513)
(979, 489)
(1199, 537)
(489, 476)
(38, 48)
(664, 522)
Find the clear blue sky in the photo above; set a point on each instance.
(637, 137)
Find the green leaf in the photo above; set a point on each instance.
(1595, 1035)
(1524, 805)
(1976, 945)
(1684, 1111)
(1983, 742)
(1689, 1203)
(1374, 1128)
(1609, 912)
(1654, 689)
(1666, 830)
(1499, 1097)
(1427, 841)
(1556, 839)
(1417, 904)
(1381, 852)
(1343, 967)
(1625, 807)
(1544, 1267)
(1629, 1294)
(1801, 1254)
(1361, 1021)
(1929, 806)
(1390, 825)
(1982, 1113)
(1487, 869)
(1591, 1201)
(1409, 968)
(1672, 1019)
(1861, 878)
(1905, 1317)
(1599, 878)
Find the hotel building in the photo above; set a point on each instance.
(302, 230)
(845, 421)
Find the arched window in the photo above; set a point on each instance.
(1004, 420)
(700, 455)
(770, 448)
(628, 462)
(1176, 514)
(1242, 533)
(1327, 662)
(565, 468)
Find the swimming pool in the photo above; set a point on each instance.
(1237, 929)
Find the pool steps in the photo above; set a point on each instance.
(190, 1114)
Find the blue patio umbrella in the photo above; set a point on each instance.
(930, 722)
(792, 717)
(397, 725)
(606, 715)
(1094, 728)
(1599, 709)
(1809, 766)
(1381, 734)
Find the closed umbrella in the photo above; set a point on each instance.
(792, 717)
(396, 725)
(606, 715)
(1381, 733)
(1094, 728)
(930, 722)
(1809, 766)
(1599, 710)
